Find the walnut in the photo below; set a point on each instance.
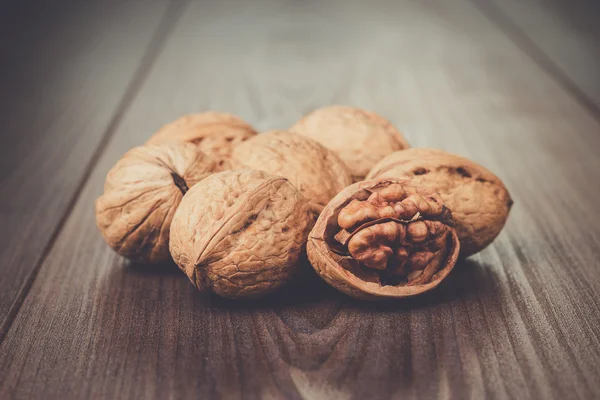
(240, 233)
(361, 138)
(315, 171)
(215, 133)
(141, 194)
(384, 238)
(479, 201)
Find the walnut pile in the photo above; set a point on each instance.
(479, 201)
(361, 138)
(214, 133)
(317, 172)
(240, 233)
(240, 212)
(142, 192)
(384, 238)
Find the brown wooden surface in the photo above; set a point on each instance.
(66, 74)
(519, 320)
(564, 36)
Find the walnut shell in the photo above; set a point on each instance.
(240, 233)
(479, 201)
(317, 172)
(215, 133)
(384, 238)
(361, 138)
(141, 194)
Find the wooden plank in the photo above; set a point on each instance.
(64, 76)
(519, 320)
(564, 37)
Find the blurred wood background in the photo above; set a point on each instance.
(514, 85)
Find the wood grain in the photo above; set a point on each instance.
(563, 36)
(65, 70)
(520, 320)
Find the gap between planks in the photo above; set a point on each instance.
(159, 38)
(522, 41)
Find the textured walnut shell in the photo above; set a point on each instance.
(317, 172)
(215, 133)
(142, 192)
(361, 138)
(384, 238)
(240, 233)
(479, 201)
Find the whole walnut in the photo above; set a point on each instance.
(215, 133)
(384, 238)
(240, 233)
(142, 192)
(361, 138)
(479, 201)
(318, 173)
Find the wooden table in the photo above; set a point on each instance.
(513, 85)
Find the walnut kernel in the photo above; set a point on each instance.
(384, 238)
(479, 201)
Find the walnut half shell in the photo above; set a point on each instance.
(240, 233)
(141, 194)
(384, 238)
